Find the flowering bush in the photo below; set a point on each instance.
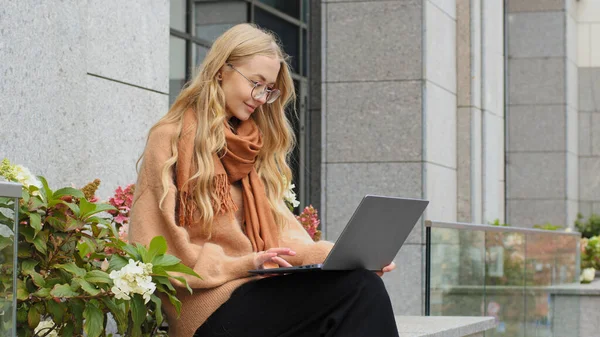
(590, 253)
(74, 269)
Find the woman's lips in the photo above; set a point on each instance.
(250, 107)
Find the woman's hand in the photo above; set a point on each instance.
(387, 269)
(272, 258)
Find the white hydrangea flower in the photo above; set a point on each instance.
(43, 328)
(588, 275)
(134, 278)
(289, 194)
(25, 177)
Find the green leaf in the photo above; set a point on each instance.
(25, 196)
(85, 247)
(38, 279)
(33, 317)
(118, 312)
(35, 221)
(73, 224)
(55, 202)
(6, 220)
(88, 209)
(184, 281)
(67, 330)
(77, 306)
(138, 313)
(142, 252)
(70, 191)
(56, 310)
(22, 292)
(159, 271)
(75, 208)
(38, 241)
(94, 320)
(98, 276)
(164, 281)
(55, 222)
(86, 286)
(158, 312)
(45, 191)
(182, 268)
(176, 303)
(22, 312)
(25, 250)
(28, 266)
(117, 262)
(165, 260)
(5, 242)
(42, 292)
(63, 290)
(158, 246)
(35, 203)
(71, 268)
(133, 252)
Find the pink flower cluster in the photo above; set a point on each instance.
(309, 218)
(122, 201)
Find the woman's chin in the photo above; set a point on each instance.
(243, 116)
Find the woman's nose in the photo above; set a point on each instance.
(261, 100)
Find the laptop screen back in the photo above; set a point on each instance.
(375, 233)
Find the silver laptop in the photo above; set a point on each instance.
(372, 237)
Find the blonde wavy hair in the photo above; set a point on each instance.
(204, 94)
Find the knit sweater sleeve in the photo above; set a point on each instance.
(294, 236)
(206, 258)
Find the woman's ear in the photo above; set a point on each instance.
(219, 76)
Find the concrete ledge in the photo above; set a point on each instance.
(590, 289)
(443, 326)
(576, 309)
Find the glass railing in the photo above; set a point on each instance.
(505, 272)
(9, 207)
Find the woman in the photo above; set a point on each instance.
(212, 183)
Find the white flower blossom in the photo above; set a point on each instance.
(289, 194)
(43, 328)
(588, 275)
(134, 278)
(25, 177)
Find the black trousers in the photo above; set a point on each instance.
(322, 303)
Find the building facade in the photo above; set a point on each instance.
(490, 109)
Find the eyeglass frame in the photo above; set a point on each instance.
(255, 84)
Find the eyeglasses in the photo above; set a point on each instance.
(259, 90)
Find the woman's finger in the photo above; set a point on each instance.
(264, 257)
(389, 267)
(281, 262)
(282, 251)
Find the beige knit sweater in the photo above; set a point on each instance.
(222, 261)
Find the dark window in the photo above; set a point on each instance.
(289, 7)
(288, 33)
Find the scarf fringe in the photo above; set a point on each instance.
(223, 201)
(187, 208)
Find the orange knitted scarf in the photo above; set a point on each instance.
(237, 163)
